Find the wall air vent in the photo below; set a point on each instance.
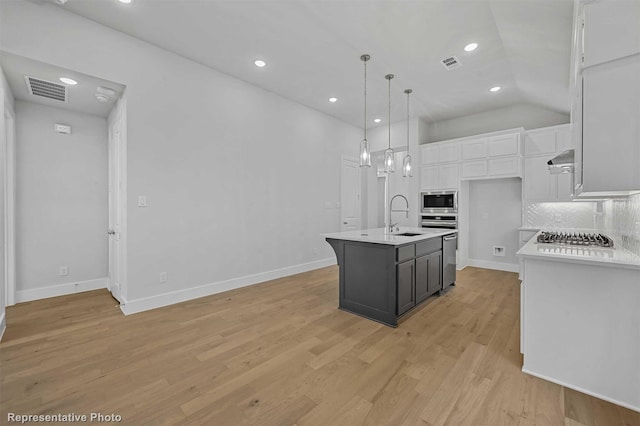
(46, 89)
(451, 63)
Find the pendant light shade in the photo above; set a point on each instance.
(365, 152)
(407, 171)
(389, 162)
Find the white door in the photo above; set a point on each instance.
(350, 195)
(115, 188)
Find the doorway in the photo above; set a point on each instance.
(350, 195)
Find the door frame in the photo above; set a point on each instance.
(8, 148)
(119, 114)
(359, 195)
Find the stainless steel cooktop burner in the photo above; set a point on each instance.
(575, 239)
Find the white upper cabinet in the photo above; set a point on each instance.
(429, 154)
(609, 30)
(504, 145)
(549, 140)
(474, 149)
(449, 152)
(606, 97)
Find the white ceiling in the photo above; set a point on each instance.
(81, 97)
(312, 49)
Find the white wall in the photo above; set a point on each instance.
(494, 219)
(519, 115)
(61, 197)
(236, 177)
(6, 100)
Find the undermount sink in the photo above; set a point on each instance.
(407, 234)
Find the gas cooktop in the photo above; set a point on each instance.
(575, 239)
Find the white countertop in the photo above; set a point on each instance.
(379, 236)
(614, 257)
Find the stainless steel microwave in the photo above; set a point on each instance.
(439, 202)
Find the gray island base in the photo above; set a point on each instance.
(384, 276)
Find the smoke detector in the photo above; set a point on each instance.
(450, 63)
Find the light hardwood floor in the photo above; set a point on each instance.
(281, 353)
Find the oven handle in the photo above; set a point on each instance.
(439, 222)
(450, 237)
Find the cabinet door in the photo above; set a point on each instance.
(474, 149)
(538, 182)
(422, 278)
(429, 154)
(435, 274)
(541, 142)
(610, 125)
(611, 30)
(448, 176)
(506, 166)
(448, 152)
(406, 286)
(472, 169)
(504, 145)
(564, 139)
(429, 177)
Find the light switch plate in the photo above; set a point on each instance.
(142, 201)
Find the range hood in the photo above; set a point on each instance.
(562, 163)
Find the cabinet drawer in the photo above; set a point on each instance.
(428, 246)
(474, 169)
(405, 253)
(504, 166)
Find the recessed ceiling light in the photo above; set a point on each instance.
(495, 88)
(333, 100)
(470, 47)
(377, 120)
(69, 81)
(259, 63)
(125, 1)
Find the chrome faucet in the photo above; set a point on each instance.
(391, 225)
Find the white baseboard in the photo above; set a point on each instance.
(139, 305)
(500, 266)
(3, 324)
(579, 389)
(60, 290)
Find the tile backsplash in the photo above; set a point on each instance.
(620, 218)
(560, 215)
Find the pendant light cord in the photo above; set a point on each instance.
(407, 92)
(365, 100)
(389, 77)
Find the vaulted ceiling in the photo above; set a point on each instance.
(312, 49)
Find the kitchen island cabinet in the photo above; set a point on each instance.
(383, 276)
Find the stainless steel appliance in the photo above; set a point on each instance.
(449, 243)
(438, 202)
(575, 239)
(439, 221)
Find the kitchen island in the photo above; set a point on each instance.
(385, 275)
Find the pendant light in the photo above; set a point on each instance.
(365, 153)
(406, 163)
(389, 163)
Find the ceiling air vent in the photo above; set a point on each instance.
(450, 62)
(46, 89)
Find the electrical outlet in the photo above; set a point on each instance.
(142, 201)
(328, 205)
(163, 277)
(499, 251)
(315, 251)
(63, 271)
(558, 217)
